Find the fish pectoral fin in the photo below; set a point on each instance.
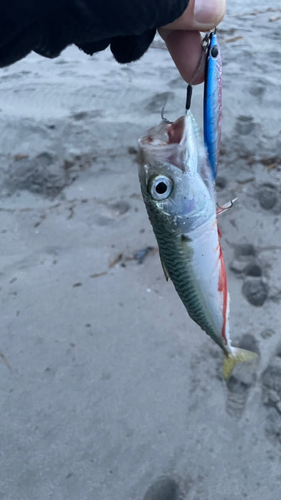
(166, 274)
(238, 356)
(226, 206)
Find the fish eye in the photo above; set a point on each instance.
(160, 187)
(214, 51)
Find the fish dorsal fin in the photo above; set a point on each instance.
(166, 274)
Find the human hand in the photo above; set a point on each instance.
(183, 38)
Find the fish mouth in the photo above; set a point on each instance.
(176, 131)
(166, 133)
(166, 142)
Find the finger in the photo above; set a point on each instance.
(185, 48)
(200, 15)
(183, 39)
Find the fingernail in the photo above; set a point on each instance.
(209, 12)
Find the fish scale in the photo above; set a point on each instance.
(180, 271)
(178, 189)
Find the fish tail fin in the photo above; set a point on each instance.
(237, 356)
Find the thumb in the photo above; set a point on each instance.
(183, 39)
(200, 15)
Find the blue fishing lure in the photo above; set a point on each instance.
(213, 101)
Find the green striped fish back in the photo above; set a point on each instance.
(176, 255)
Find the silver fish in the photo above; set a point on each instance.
(178, 189)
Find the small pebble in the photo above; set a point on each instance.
(142, 254)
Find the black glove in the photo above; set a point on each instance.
(48, 26)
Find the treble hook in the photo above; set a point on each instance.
(162, 113)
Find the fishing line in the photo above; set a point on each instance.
(205, 46)
(164, 119)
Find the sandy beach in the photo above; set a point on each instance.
(108, 390)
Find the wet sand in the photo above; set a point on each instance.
(108, 389)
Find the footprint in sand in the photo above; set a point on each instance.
(255, 290)
(242, 379)
(267, 195)
(221, 182)
(267, 333)
(257, 90)
(253, 269)
(44, 175)
(245, 251)
(244, 125)
(119, 207)
(165, 488)
(271, 397)
(112, 211)
(246, 264)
